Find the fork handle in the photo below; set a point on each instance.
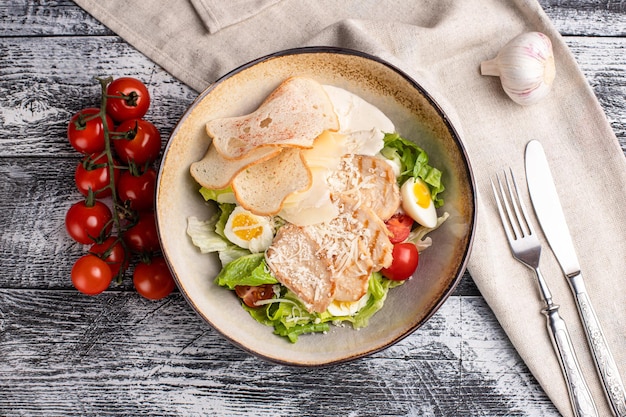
(579, 394)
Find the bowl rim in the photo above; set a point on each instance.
(467, 168)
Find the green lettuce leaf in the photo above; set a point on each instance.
(209, 236)
(290, 319)
(225, 211)
(231, 253)
(245, 270)
(203, 235)
(413, 161)
(378, 288)
(225, 195)
(288, 316)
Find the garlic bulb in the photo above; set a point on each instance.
(525, 66)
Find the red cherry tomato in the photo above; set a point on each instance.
(86, 223)
(94, 173)
(127, 98)
(404, 264)
(400, 226)
(141, 144)
(86, 133)
(143, 236)
(113, 253)
(250, 295)
(91, 275)
(153, 280)
(137, 190)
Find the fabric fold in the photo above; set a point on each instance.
(441, 44)
(216, 14)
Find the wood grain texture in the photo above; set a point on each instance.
(64, 354)
(46, 18)
(42, 88)
(119, 354)
(37, 100)
(35, 195)
(587, 18)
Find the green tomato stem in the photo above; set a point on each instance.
(104, 82)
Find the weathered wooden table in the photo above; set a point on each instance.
(65, 354)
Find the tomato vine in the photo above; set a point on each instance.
(118, 224)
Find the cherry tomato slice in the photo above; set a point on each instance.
(137, 190)
(86, 133)
(250, 295)
(400, 226)
(127, 98)
(404, 264)
(142, 143)
(91, 275)
(113, 253)
(153, 280)
(85, 224)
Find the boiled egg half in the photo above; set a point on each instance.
(248, 230)
(417, 203)
(347, 308)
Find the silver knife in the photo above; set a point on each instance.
(545, 201)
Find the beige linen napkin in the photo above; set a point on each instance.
(216, 17)
(441, 44)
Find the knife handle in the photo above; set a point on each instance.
(579, 394)
(605, 364)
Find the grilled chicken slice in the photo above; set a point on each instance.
(333, 260)
(357, 243)
(370, 181)
(294, 260)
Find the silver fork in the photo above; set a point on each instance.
(526, 248)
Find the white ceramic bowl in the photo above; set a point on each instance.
(416, 117)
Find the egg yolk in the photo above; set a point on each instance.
(422, 194)
(245, 227)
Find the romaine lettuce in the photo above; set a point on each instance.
(413, 161)
(209, 236)
(290, 318)
(225, 195)
(246, 270)
(203, 235)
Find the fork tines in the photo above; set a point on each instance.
(517, 224)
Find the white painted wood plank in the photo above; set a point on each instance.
(42, 88)
(35, 251)
(62, 353)
(45, 18)
(119, 354)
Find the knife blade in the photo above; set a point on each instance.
(549, 212)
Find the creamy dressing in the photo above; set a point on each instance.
(362, 127)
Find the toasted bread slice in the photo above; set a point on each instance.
(215, 172)
(293, 115)
(293, 260)
(263, 187)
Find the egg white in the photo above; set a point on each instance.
(347, 308)
(257, 244)
(426, 216)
